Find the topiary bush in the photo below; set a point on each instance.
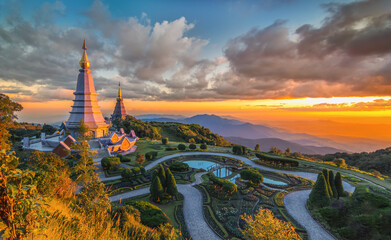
(110, 163)
(181, 147)
(192, 146)
(179, 166)
(252, 175)
(204, 146)
(150, 156)
(165, 141)
(151, 215)
(171, 149)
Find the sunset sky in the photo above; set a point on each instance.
(312, 66)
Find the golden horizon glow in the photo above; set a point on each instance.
(349, 116)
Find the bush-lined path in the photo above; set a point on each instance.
(295, 202)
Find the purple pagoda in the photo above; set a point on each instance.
(85, 106)
(119, 110)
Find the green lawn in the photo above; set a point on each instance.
(168, 209)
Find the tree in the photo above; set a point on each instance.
(156, 188)
(192, 146)
(265, 226)
(339, 185)
(257, 147)
(84, 167)
(171, 183)
(319, 196)
(162, 175)
(110, 163)
(191, 140)
(332, 184)
(288, 151)
(165, 141)
(140, 159)
(127, 174)
(182, 147)
(326, 177)
(275, 150)
(48, 129)
(21, 210)
(340, 162)
(204, 146)
(7, 116)
(239, 150)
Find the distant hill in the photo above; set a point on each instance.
(267, 143)
(234, 128)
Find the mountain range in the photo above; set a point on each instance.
(248, 134)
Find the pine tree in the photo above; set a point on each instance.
(332, 184)
(319, 196)
(326, 177)
(156, 188)
(171, 183)
(257, 147)
(162, 176)
(338, 185)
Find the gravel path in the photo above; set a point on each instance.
(192, 209)
(295, 205)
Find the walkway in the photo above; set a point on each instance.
(192, 209)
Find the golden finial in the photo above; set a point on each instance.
(119, 91)
(84, 63)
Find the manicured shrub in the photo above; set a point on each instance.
(222, 186)
(127, 174)
(332, 184)
(239, 150)
(171, 183)
(340, 162)
(326, 177)
(165, 141)
(149, 156)
(252, 175)
(192, 146)
(339, 185)
(257, 147)
(277, 160)
(156, 188)
(162, 175)
(110, 163)
(204, 146)
(181, 147)
(150, 215)
(319, 196)
(179, 166)
(171, 149)
(126, 158)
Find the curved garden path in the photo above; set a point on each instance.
(192, 209)
(295, 202)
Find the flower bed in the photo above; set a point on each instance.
(278, 199)
(180, 219)
(214, 223)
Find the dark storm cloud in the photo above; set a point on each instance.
(347, 55)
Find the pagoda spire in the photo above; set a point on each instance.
(84, 63)
(119, 91)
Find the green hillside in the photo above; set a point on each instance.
(178, 132)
